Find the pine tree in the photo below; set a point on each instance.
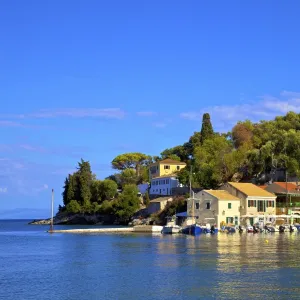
(207, 129)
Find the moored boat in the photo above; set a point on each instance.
(194, 229)
(249, 229)
(171, 229)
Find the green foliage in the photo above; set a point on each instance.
(84, 180)
(73, 207)
(176, 153)
(129, 176)
(108, 189)
(131, 161)
(116, 178)
(106, 208)
(249, 151)
(179, 204)
(207, 129)
(128, 203)
(103, 190)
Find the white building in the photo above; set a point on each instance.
(163, 185)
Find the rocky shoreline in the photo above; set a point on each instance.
(85, 219)
(77, 219)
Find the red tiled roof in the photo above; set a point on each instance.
(287, 185)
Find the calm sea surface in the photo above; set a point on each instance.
(37, 265)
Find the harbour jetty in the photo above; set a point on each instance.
(139, 228)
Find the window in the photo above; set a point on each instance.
(178, 168)
(197, 205)
(270, 203)
(166, 167)
(207, 205)
(229, 205)
(167, 181)
(229, 220)
(251, 203)
(236, 220)
(261, 206)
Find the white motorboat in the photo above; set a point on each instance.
(171, 227)
(269, 227)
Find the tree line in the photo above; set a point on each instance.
(84, 193)
(250, 151)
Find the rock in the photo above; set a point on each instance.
(40, 222)
(76, 219)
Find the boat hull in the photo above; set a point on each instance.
(192, 230)
(196, 230)
(170, 229)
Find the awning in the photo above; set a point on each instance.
(182, 214)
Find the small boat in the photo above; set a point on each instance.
(290, 228)
(297, 226)
(171, 229)
(229, 229)
(171, 226)
(269, 227)
(194, 229)
(249, 229)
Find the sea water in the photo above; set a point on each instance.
(37, 265)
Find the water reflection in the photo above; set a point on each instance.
(137, 266)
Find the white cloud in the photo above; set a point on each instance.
(109, 113)
(226, 116)
(3, 190)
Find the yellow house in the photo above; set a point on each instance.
(215, 207)
(256, 204)
(165, 167)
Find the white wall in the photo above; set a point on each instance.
(163, 186)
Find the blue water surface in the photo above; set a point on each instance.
(37, 265)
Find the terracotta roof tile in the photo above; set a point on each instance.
(288, 185)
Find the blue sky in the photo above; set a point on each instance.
(94, 79)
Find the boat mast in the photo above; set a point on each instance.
(52, 206)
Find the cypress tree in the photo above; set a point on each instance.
(65, 192)
(207, 129)
(71, 189)
(84, 183)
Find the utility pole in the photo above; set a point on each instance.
(286, 188)
(191, 182)
(52, 208)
